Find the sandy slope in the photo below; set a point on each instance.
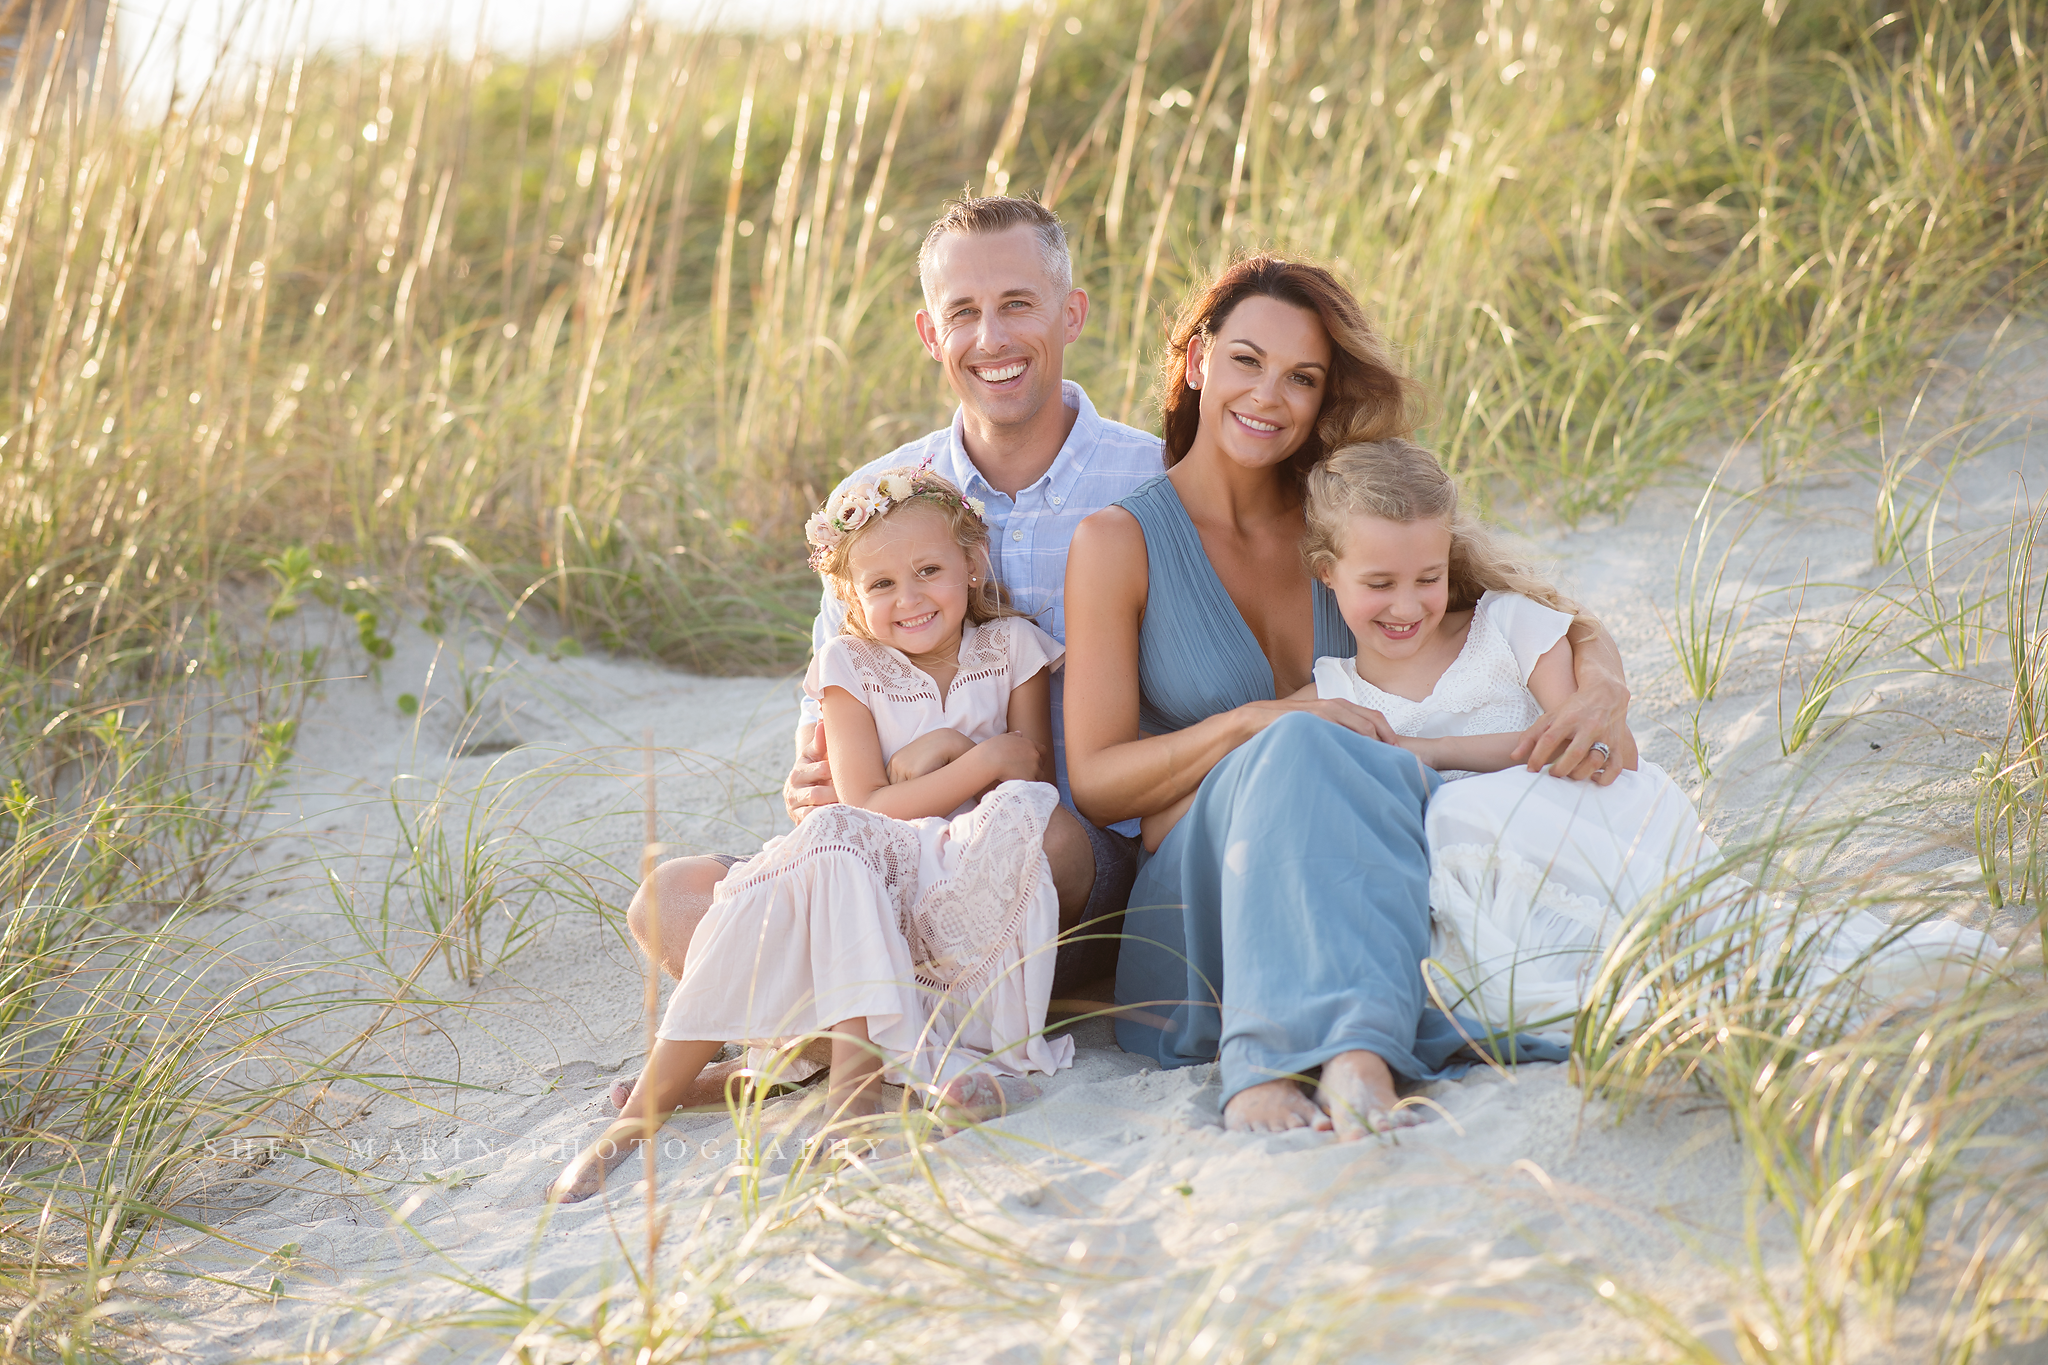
(1129, 1220)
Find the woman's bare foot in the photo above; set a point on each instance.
(622, 1091)
(978, 1097)
(1272, 1107)
(1358, 1092)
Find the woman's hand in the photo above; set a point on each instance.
(1564, 738)
(1358, 719)
(1582, 707)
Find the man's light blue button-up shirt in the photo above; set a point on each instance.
(1100, 462)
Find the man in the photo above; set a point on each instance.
(1000, 310)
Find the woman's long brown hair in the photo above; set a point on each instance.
(1367, 398)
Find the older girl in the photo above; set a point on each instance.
(1460, 647)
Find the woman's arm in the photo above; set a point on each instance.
(1596, 710)
(863, 780)
(1116, 773)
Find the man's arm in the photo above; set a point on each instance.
(1596, 711)
(809, 784)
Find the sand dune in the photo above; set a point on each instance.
(402, 1215)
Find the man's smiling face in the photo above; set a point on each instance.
(999, 323)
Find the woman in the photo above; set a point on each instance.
(1281, 916)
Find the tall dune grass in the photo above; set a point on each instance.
(579, 340)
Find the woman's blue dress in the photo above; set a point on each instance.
(1301, 864)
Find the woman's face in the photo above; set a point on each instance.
(909, 579)
(1262, 378)
(1392, 580)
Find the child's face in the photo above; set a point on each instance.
(1393, 583)
(909, 580)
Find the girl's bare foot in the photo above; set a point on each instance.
(1272, 1107)
(855, 1090)
(978, 1097)
(853, 1103)
(1358, 1091)
(708, 1089)
(584, 1175)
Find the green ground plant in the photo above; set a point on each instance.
(575, 341)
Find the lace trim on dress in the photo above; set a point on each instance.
(1483, 684)
(884, 672)
(888, 847)
(960, 928)
(984, 653)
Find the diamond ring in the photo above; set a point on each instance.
(1604, 752)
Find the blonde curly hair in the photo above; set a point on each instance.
(832, 541)
(1398, 480)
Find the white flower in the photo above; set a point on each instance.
(858, 505)
(978, 507)
(896, 485)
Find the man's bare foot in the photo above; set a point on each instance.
(1358, 1092)
(978, 1097)
(1273, 1107)
(584, 1175)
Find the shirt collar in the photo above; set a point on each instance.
(1066, 467)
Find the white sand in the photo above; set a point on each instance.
(1128, 1219)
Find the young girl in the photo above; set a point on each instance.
(1461, 649)
(915, 921)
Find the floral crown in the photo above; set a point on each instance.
(855, 506)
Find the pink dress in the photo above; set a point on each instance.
(939, 932)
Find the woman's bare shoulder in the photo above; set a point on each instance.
(1113, 520)
(1112, 534)
(1108, 554)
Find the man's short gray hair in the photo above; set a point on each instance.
(981, 215)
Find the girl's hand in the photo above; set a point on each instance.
(1012, 757)
(1349, 714)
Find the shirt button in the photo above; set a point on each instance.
(1055, 500)
(1016, 535)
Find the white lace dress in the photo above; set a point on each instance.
(1532, 876)
(939, 932)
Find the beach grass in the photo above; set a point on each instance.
(567, 344)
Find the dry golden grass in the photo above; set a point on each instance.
(576, 342)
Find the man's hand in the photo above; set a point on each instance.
(809, 784)
(1564, 738)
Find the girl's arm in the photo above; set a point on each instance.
(1550, 681)
(1115, 772)
(1031, 716)
(863, 780)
